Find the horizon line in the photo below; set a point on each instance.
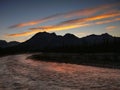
(60, 35)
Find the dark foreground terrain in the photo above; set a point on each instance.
(108, 60)
(19, 73)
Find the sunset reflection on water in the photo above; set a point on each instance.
(64, 76)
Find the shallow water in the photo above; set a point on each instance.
(19, 73)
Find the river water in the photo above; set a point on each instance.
(19, 73)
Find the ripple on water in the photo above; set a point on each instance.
(60, 76)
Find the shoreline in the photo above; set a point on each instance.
(105, 60)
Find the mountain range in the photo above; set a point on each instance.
(50, 42)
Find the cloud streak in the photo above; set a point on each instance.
(108, 21)
(92, 18)
(23, 33)
(71, 24)
(110, 28)
(80, 22)
(74, 23)
(35, 22)
(82, 12)
(60, 27)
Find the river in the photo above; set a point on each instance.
(19, 73)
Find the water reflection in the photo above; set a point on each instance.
(68, 76)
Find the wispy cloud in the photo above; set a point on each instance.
(90, 11)
(108, 21)
(111, 28)
(23, 33)
(82, 12)
(71, 24)
(35, 21)
(60, 27)
(93, 18)
(76, 23)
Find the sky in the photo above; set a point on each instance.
(21, 19)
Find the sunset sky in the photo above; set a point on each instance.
(21, 19)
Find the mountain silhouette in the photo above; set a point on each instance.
(4, 44)
(44, 41)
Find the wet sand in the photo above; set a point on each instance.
(19, 73)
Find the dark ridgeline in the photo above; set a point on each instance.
(50, 42)
(4, 44)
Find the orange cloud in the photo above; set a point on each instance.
(83, 12)
(76, 23)
(24, 33)
(111, 28)
(31, 23)
(59, 27)
(108, 21)
(90, 11)
(25, 24)
(93, 18)
(70, 24)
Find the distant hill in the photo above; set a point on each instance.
(50, 42)
(4, 44)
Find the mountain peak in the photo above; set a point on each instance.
(42, 36)
(106, 35)
(53, 34)
(40, 33)
(45, 33)
(69, 35)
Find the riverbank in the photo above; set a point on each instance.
(108, 60)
